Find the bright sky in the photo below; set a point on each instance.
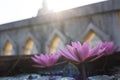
(14, 10)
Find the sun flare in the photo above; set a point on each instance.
(59, 5)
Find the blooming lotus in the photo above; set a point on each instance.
(46, 60)
(80, 53)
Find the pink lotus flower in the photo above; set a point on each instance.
(46, 60)
(109, 48)
(80, 53)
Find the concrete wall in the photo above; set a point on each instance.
(70, 25)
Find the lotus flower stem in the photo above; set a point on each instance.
(51, 76)
(61, 62)
(105, 63)
(84, 71)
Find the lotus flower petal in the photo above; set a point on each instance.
(109, 47)
(85, 50)
(71, 51)
(46, 60)
(81, 53)
(36, 60)
(67, 55)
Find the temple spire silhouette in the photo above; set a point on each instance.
(44, 5)
(44, 10)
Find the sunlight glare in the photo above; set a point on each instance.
(59, 5)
